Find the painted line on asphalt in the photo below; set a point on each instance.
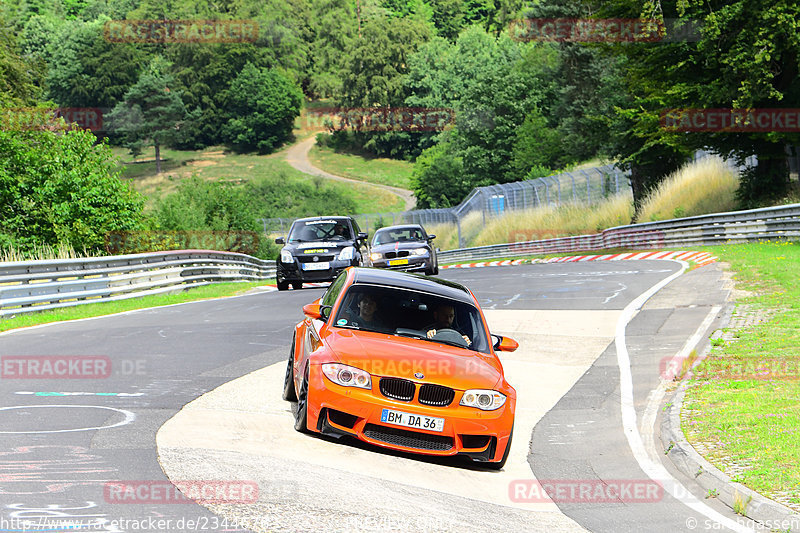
(654, 469)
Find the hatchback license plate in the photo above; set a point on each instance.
(316, 266)
(408, 420)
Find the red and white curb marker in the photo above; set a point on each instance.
(699, 258)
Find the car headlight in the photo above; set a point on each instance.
(486, 400)
(286, 256)
(347, 254)
(347, 376)
(376, 256)
(420, 251)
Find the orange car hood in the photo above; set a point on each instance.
(389, 355)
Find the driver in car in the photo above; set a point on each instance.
(443, 317)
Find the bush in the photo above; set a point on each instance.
(60, 187)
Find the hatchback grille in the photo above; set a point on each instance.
(310, 258)
(397, 389)
(408, 439)
(436, 395)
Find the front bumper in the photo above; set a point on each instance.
(348, 411)
(414, 263)
(295, 272)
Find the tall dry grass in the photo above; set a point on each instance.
(697, 188)
(38, 253)
(547, 222)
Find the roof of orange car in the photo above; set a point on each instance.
(416, 282)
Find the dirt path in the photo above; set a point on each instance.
(297, 156)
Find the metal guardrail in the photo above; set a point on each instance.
(27, 286)
(38, 285)
(736, 227)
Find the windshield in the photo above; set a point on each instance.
(386, 236)
(320, 230)
(412, 314)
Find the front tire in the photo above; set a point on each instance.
(289, 394)
(283, 285)
(301, 414)
(297, 285)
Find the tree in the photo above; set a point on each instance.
(151, 114)
(263, 105)
(745, 56)
(61, 187)
(87, 70)
(19, 83)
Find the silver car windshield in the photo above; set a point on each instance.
(386, 236)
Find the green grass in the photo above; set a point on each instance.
(217, 290)
(219, 165)
(752, 419)
(378, 170)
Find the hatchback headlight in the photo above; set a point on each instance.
(376, 256)
(347, 254)
(420, 251)
(347, 376)
(486, 400)
(286, 256)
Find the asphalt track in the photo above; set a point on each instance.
(64, 440)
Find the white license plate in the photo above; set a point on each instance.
(316, 266)
(408, 420)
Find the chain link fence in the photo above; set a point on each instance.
(589, 186)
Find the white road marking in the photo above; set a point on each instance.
(654, 469)
(129, 417)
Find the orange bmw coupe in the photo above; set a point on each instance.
(404, 362)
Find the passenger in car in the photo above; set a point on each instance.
(368, 316)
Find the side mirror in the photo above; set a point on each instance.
(280, 240)
(431, 237)
(317, 311)
(505, 344)
(362, 236)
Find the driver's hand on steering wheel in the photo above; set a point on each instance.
(432, 332)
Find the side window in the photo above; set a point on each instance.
(333, 291)
(356, 229)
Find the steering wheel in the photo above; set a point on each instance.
(451, 336)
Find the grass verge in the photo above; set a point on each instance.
(378, 170)
(217, 290)
(217, 164)
(741, 409)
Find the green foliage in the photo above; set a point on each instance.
(86, 70)
(60, 187)
(378, 60)
(334, 28)
(19, 83)
(205, 206)
(438, 178)
(263, 105)
(151, 114)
